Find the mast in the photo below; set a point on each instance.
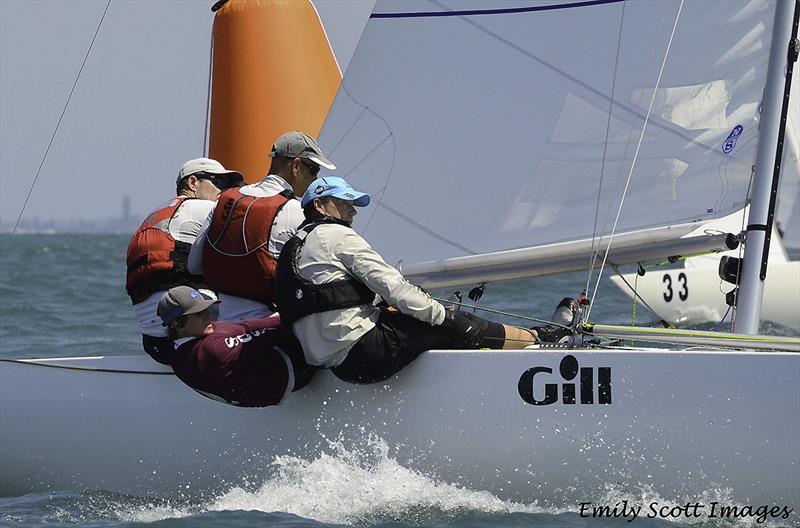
(767, 171)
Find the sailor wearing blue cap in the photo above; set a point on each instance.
(335, 291)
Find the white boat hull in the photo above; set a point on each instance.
(688, 421)
(691, 296)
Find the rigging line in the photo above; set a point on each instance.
(636, 294)
(593, 255)
(499, 312)
(90, 369)
(58, 124)
(656, 122)
(723, 318)
(208, 93)
(636, 154)
(653, 59)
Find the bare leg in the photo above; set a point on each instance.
(517, 337)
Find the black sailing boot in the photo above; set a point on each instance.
(565, 314)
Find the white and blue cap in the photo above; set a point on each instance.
(336, 187)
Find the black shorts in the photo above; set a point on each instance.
(396, 341)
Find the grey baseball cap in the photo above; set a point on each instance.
(298, 145)
(180, 301)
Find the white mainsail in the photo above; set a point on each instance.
(514, 127)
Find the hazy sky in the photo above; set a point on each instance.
(138, 111)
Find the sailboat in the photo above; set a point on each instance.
(498, 142)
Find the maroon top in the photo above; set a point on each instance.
(238, 362)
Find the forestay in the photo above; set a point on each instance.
(483, 127)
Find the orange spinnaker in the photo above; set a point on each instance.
(273, 71)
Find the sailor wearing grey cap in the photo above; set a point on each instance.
(240, 242)
(158, 251)
(328, 278)
(250, 364)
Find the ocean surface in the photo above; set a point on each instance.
(63, 295)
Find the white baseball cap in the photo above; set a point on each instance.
(208, 166)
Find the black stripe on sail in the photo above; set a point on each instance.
(499, 11)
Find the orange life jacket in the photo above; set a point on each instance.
(156, 261)
(236, 257)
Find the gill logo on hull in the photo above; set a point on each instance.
(529, 384)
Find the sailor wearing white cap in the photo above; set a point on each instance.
(241, 240)
(159, 249)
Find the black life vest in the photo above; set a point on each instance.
(297, 297)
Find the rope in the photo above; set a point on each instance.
(636, 155)
(498, 312)
(723, 318)
(58, 124)
(639, 297)
(593, 254)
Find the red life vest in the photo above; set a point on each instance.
(236, 257)
(156, 261)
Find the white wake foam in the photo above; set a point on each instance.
(357, 486)
(364, 486)
(346, 486)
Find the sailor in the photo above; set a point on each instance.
(239, 245)
(328, 278)
(158, 250)
(249, 364)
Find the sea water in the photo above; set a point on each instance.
(64, 295)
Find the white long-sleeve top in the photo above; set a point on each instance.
(335, 252)
(233, 308)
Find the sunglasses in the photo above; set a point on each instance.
(313, 167)
(219, 182)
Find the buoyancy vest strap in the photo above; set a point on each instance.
(298, 297)
(227, 221)
(286, 194)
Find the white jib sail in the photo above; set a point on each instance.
(484, 127)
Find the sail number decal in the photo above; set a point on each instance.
(532, 379)
(683, 285)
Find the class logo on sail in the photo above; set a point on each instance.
(531, 381)
(730, 141)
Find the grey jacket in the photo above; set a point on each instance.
(334, 252)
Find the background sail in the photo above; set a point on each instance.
(484, 126)
(259, 90)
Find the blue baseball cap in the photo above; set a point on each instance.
(336, 187)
